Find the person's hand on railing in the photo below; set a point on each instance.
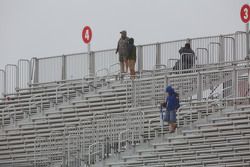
(163, 105)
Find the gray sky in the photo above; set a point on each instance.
(42, 28)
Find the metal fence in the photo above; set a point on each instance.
(2, 82)
(227, 83)
(50, 69)
(76, 66)
(213, 49)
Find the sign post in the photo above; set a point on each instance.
(86, 37)
(245, 17)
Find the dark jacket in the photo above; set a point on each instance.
(122, 46)
(187, 59)
(131, 49)
(172, 103)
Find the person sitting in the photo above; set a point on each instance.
(187, 59)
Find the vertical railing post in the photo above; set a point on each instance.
(248, 88)
(247, 42)
(234, 82)
(234, 85)
(222, 49)
(158, 54)
(199, 87)
(36, 71)
(92, 63)
(140, 58)
(64, 67)
(3, 82)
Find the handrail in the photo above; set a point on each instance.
(159, 65)
(32, 98)
(139, 110)
(3, 114)
(149, 129)
(57, 88)
(208, 72)
(103, 69)
(37, 143)
(88, 83)
(153, 44)
(109, 70)
(120, 139)
(97, 144)
(215, 93)
(221, 64)
(212, 66)
(178, 114)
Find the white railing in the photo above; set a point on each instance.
(41, 147)
(72, 66)
(60, 86)
(124, 137)
(8, 114)
(96, 152)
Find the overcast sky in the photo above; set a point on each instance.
(42, 28)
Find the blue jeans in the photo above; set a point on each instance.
(170, 116)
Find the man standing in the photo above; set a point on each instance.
(122, 49)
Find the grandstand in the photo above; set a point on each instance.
(78, 110)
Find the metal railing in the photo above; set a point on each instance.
(75, 66)
(60, 86)
(96, 152)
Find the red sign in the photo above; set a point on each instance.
(86, 34)
(245, 13)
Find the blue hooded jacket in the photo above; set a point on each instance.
(171, 101)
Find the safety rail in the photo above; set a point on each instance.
(125, 140)
(74, 148)
(13, 115)
(111, 127)
(34, 70)
(95, 149)
(186, 106)
(150, 128)
(135, 88)
(87, 80)
(112, 66)
(31, 99)
(58, 152)
(198, 74)
(41, 144)
(58, 87)
(211, 95)
(3, 114)
(200, 81)
(99, 71)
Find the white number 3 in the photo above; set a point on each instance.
(246, 13)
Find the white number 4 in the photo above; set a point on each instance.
(87, 34)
